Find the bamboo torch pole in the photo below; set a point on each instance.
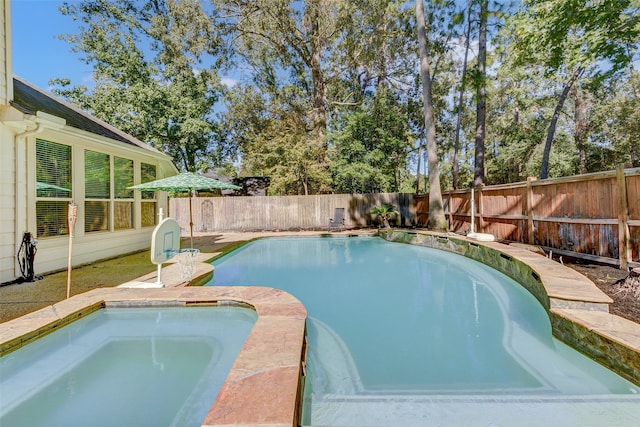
(71, 221)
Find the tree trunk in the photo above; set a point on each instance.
(319, 99)
(481, 107)
(544, 172)
(418, 168)
(437, 219)
(319, 114)
(580, 128)
(455, 170)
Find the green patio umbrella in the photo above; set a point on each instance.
(186, 181)
(50, 187)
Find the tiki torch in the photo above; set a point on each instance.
(71, 221)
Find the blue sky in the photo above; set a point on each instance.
(38, 55)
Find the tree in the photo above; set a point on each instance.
(615, 123)
(271, 135)
(581, 126)
(455, 167)
(573, 37)
(375, 47)
(372, 64)
(386, 212)
(523, 98)
(365, 56)
(481, 92)
(287, 47)
(155, 71)
(437, 220)
(371, 145)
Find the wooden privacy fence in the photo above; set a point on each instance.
(256, 213)
(595, 215)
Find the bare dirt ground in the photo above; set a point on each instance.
(19, 299)
(623, 287)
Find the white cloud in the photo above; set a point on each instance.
(228, 82)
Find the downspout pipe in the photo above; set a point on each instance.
(33, 128)
(35, 124)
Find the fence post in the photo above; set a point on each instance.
(450, 211)
(624, 238)
(529, 210)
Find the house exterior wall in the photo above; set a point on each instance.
(18, 134)
(7, 204)
(18, 201)
(7, 151)
(5, 52)
(92, 246)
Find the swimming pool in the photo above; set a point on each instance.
(405, 334)
(124, 366)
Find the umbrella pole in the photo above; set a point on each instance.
(191, 217)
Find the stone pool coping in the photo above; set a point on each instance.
(578, 310)
(264, 385)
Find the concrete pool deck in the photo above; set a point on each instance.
(263, 387)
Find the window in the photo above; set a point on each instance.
(148, 205)
(123, 205)
(97, 174)
(109, 202)
(53, 188)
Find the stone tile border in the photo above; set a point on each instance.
(263, 387)
(578, 310)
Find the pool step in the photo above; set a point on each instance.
(420, 411)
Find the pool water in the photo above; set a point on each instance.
(124, 366)
(391, 325)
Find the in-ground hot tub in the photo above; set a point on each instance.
(125, 366)
(256, 379)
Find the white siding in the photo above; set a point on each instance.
(53, 252)
(5, 53)
(18, 202)
(18, 181)
(7, 205)
(87, 247)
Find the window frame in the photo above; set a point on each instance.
(45, 228)
(90, 224)
(142, 209)
(153, 200)
(128, 201)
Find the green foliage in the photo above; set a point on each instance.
(571, 33)
(574, 39)
(385, 212)
(274, 142)
(155, 71)
(376, 46)
(370, 148)
(331, 98)
(615, 120)
(287, 46)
